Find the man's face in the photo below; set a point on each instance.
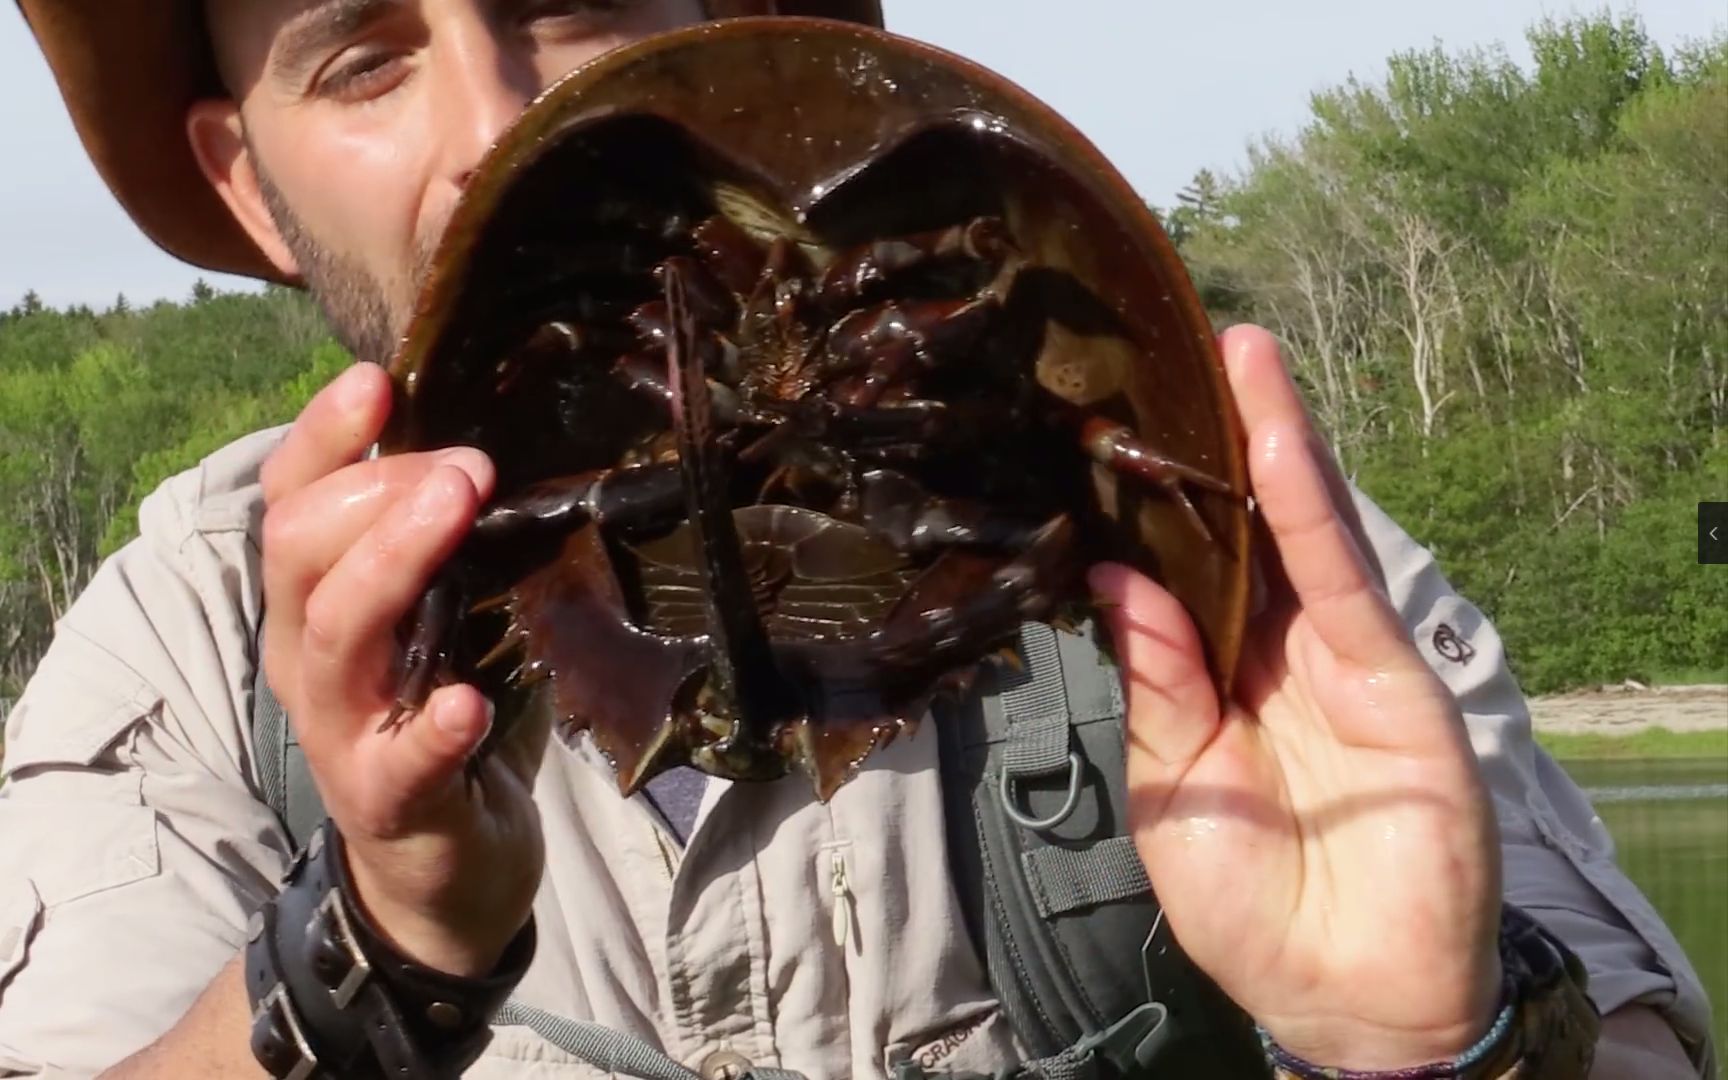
(356, 124)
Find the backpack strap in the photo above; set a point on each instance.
(283, 774)
(1052, 887)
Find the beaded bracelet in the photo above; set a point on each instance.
(1546, 1028)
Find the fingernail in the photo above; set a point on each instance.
(452, 721)
(1110, 583)
(471, 461)
(357, 389)
(449, 720)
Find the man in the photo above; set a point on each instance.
(1325, 847)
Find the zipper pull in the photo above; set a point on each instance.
(841, 894)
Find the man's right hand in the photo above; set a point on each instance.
(447, 870)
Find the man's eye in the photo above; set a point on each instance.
(366, 76)
(583, 13)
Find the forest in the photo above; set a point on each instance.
(1503, 286)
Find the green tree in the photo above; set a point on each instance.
(1503, 291)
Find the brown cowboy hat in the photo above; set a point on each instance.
(128, 70)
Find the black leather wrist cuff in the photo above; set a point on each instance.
(331, 998)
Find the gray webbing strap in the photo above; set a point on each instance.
(1064, 1066)
(1039, 714)
(612, 1051)
(270, 742)
(1067, 879)
(601, 1047)
(282, 769)
(1036, 707)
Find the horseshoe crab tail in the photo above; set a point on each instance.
(745, 685)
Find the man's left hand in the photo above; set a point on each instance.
(1322, 844)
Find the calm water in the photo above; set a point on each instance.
(1670, 823)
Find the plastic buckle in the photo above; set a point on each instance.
(1132, 1043)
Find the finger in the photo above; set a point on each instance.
(335, 429)
(309, 531)
(417, 761)
(1344, 501)
(349, 640)
(1341, 597)
(1173, 709)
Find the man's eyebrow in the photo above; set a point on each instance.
(320, 28)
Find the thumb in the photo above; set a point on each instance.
(421, 757)
(1173, 711)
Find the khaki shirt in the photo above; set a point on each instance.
(134, 844)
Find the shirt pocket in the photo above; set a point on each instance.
(68, 832)
(75, 709)
(73, 821)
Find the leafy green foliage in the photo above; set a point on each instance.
(1505, 294)
(97, 410)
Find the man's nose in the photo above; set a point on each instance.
(484, 85)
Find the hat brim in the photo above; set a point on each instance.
(128, 71)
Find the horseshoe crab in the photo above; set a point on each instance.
(813, 361)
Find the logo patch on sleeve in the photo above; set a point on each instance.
(1452, 647)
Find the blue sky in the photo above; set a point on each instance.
(1165, 89)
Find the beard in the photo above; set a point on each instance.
(354, 301)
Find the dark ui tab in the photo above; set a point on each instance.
(1713, 533)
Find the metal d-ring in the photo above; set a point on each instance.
(1075, 765)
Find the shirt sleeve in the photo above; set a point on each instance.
(133, 846)
(1557, 855)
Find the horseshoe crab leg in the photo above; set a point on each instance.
(816, 440)
(712, 305)
(648, 497)
(430, 641)
(888, 339)
(735, 260)
(1114, 445)
(860, 270)
(920, 640)
(913, 521)
(713, 308)
(645, 374)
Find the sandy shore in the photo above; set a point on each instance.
(1626, 710)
